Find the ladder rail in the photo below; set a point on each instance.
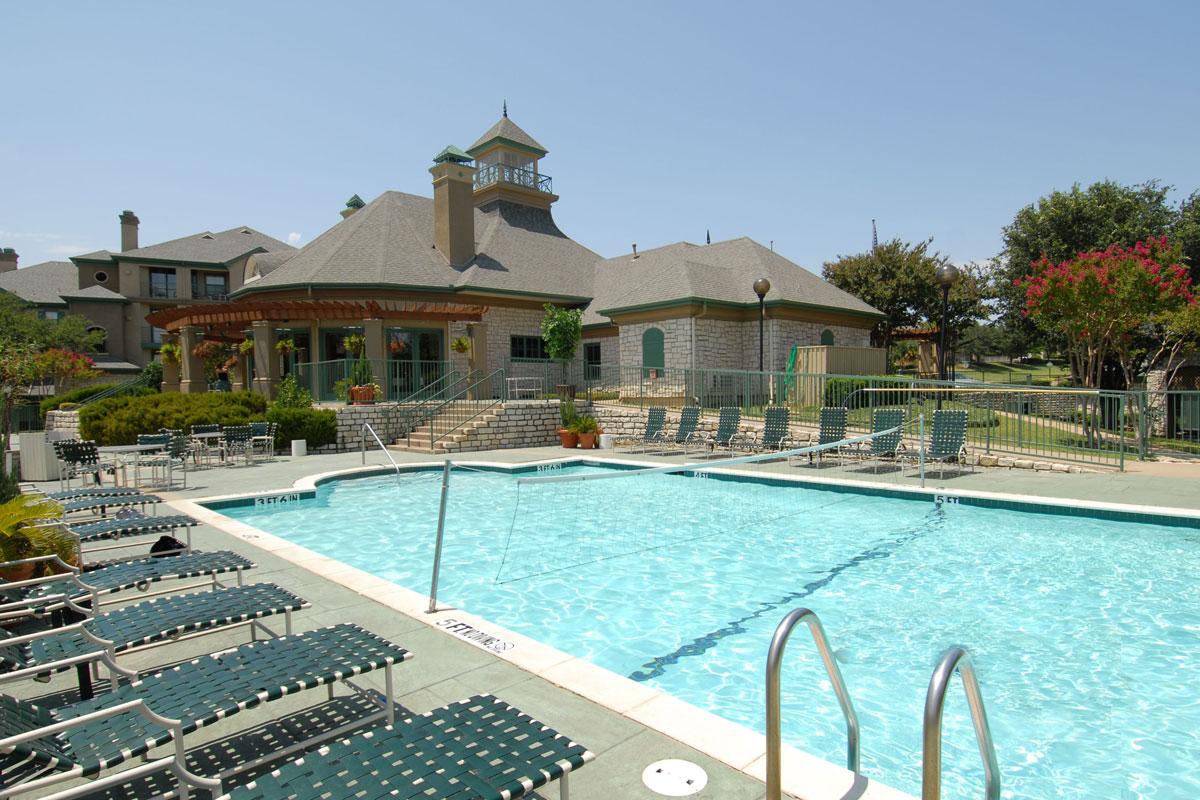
(774, 661)
(366, 426)
(955, 659)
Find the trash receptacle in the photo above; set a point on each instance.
(299, 447)
(606, 441)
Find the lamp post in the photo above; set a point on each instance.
(947, 274)
(761, 287)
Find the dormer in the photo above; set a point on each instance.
(506, 159)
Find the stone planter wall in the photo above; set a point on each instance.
(64, 421)
(517, 423)
(383, 417)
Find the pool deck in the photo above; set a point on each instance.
(627, 725)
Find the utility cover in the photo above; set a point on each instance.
(674, 777)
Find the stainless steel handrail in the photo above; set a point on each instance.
(481, 408)
(366, 426)
(774, 659)
(955, 658)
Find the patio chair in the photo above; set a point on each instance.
(726, 437)
(689, 419)
(88, 738)
(161, 620)
(79, 458)
(476, 748)
(238, 442)
(206, 449)
(776, 433)
(831, 427)
(653, 432)
(158, 462)
(50, 592)
(887, 445)
(947, 439)
(262, 438)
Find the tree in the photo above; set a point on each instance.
(18, 372)
(1062, 225)
(1186, 233)
(899, 279)
(65, 368)
(562, 330)
(20, 323)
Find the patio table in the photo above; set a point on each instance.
(123, 451)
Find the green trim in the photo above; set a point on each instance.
(85, 299)
(479, 148)
(451, 154)
(609, 312)
(83, 259)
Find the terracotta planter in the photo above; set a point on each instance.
(568, 438)
(587, 441)
(362, 395)
(19, 573)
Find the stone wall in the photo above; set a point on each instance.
(382, 416)
(64, 421)
(517, 423)
(677, 342)
(783, 334)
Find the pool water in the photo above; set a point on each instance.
(1084, 631)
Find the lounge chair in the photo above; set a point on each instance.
(831, 428)
(101, 503)
(947, 439)
(652, 434)
(888, 445)
(479, 748)
(84, 492)
(50, 592)
(151, 622)
(127, 524)
(90, 737)
(776, 433)
(689, 419)
(726, 437)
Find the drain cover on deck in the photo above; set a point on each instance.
(674, 778)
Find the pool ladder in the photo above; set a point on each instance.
(955, 659)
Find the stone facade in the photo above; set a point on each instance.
(517, 423)
(382, 417)
(63, 421)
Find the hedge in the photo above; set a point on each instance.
(119, 420)
(317, 426)
(83, 393)
(839, 390)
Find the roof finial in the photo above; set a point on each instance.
(707, 237)
(874, 237)
(506, 108)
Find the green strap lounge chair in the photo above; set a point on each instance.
(130, 525)
(776, 432)
(476, 749)
(86, 492)
(689, 419)
(90, 737)
(831, 427)
(102, 503)
(727, 436)
(888, 445)
(161, 620)
(652, 434)
(50, 592)
(948, 438)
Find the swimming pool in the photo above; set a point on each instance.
(1083, 629)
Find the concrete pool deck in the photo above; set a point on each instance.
(627, 725)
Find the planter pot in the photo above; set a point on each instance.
(566, 391)
(587, 441)
(362, 395)
(568, 438)
(22, 572)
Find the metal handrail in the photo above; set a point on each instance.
(427, 407)
(774, 659)
(487, 406)
(113, 391)
(955, 658)
(366, 426)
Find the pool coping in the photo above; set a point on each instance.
(804, 775)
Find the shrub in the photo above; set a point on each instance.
(292, 395)
(317, 426)
(839, 390)
(119, 420)
(77, 396)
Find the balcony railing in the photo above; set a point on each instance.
(518, 176)
(159, 291)
(209, 293)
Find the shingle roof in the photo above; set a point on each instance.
(98, 255)
(507, 129)
(209, 248)
(390, 242)
(94, 293)
(721, 272)
(41, 284)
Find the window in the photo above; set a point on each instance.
(51, 314)
(827, 337)
(101, 276)
(591, 360)
(162, 283)
(528, 348)
(653, 352)
(210, 285)
(156, 335)
(101, 345)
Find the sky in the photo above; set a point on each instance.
(792, 123)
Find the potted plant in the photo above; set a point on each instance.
(285, 346)
(171, 355)
(397, 345)
(460, 344)
(567, 435)
(562, 330)
(246, 346)
(587, 429)
(354, 344)
(363, 389)
(21, 537)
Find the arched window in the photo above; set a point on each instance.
(653, 356)
(827, 336)
(101, 345)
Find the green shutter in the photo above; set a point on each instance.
(827, 337)
(653, 356)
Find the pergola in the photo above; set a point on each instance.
(259, 318)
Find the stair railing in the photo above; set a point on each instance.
(419, 407)
(468, 406)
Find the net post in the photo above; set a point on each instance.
(441, 530)
(921, 447)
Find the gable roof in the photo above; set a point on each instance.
(97, 255)
(41, 284)
(389, 244)
(95, 292)
(722, 272)
(208, 247)
(508, 131)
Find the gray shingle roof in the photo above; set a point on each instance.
(209, 248)
(98, 255)
(722, 272)
(94, 293)
(42, 284)
(390, 243)
(507, 129)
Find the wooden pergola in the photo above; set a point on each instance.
(230, 319)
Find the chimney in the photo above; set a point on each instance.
(129, 231)
(8, 260)
(454, 206)
(352, 205)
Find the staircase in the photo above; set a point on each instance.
(420, 440)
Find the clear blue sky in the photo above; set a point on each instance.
(790, 122)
